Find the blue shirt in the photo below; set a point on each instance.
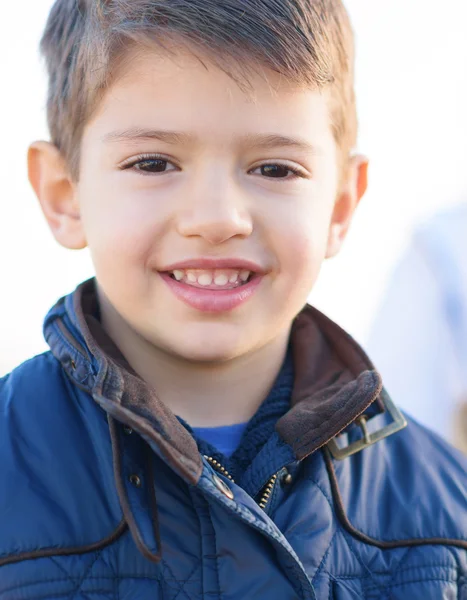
(236, 446)
(225, 439)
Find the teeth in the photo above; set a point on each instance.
(205, 279)
(222, 280)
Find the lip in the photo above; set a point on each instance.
(216, 263)
(208, 300)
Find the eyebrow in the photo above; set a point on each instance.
(135, 134)
(272, 140)
(262, 141)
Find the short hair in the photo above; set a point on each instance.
(308, 42)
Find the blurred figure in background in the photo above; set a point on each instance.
(419, 337)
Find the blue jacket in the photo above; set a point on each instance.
(104, 495)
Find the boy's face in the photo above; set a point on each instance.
(188, 186)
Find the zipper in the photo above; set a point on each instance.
(219, 468)
(267, 492)
(268, 489)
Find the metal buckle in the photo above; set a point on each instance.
(368, 439)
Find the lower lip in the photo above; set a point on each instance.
(212, 301)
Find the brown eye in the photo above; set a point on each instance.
(276, 171)
(153, 165)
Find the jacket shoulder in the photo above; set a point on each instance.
(54, 447)
(410, 486)
(29, 378)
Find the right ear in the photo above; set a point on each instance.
(56, 191)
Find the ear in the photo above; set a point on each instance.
(49, 176)
(351, 192)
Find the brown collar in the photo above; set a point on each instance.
(334, 383)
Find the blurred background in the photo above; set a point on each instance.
(412, 93)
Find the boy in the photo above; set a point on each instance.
(195, 432)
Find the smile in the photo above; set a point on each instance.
(214, 286)
(214, 279)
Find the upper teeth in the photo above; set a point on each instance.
(208, 277)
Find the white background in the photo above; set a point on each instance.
(412, 92)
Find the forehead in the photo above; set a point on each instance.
(183, 91)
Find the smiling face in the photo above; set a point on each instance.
(207, 210)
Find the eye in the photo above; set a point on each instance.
(278, 171)
(149, 164)
(152, 165)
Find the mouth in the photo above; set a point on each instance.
(214, 286)
(212, 279)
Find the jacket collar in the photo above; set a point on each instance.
(334, 382)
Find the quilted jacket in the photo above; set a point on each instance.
(104, 495)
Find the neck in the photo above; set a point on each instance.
(206, 394)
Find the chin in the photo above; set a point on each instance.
(208, 348)
(207, 353)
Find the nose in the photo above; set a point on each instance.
(216, 211)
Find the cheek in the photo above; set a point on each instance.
(120, 226)
(301, 258)
(301, 238)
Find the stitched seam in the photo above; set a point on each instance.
(333, 580)
(217, 555)
(363, 589)
(343, 421)
(58, 551)
(180, 582)
(395, 572)
(382, 573)
(89, 594)
(358, 531)
(116, 589)
(49, 596)
(369, 572)
(23, 586)
(323, 560)
(63, 570)
(459, 571)
(63, 332)
(194, 501)
(90, 578)
(424, 580)
(328, 498)
(190, 576)
(86, 573)
(300, 581)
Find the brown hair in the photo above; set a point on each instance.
(309, 42)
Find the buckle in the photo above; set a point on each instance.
(368, 439)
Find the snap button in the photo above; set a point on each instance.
(127, 430)
(223, 487)
(286, 478)
(135, 480)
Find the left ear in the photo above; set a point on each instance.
(350, 193)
